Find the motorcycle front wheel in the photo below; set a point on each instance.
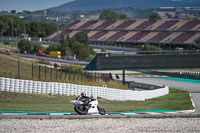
(81, 109)
(101, 110)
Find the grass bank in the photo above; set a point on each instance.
(9, 69)
(175, 100)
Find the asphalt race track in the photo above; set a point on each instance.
(193, 88)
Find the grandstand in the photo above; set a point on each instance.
(129, 33)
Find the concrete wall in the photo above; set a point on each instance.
(132, 85)
(54, 88)
(147, 61)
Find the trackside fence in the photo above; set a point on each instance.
(54, 88)
(21, 69)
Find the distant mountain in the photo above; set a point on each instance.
(105, 4)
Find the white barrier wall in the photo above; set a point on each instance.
(54, 88)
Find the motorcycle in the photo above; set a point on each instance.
(91, 108)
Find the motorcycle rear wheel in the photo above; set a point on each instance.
(101, 110)
(81, 109)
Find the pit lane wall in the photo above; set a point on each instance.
(54, 88)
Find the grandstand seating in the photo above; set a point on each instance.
(65, 32)
(71, 34)
(145, 25)
(171, 37)
(138, 36)
(97, 24)
(72, 24)
(114, 25)
(76, 26)
(105, 25)
(159, 37)
(135, 24)
(176, 26)
(88, 24)
(124, 25)
(148, 36)
(91, 33)
(133, 31)
(126, 37)
(98, 35)
(193, 39)
(106, 36)
(189, 25)
(167, 25)
(116, 36)
(156, 25)
(183, 37)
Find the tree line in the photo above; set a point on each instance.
(111, 15)
(14, 26)
(78, 45)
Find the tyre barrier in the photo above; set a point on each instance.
(54, 88)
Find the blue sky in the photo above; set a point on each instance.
(30, 5)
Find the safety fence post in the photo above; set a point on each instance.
(51, 73)
(39, 72)
(32, 71)
(18, 69)
(45, 72)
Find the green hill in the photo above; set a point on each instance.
(105, 4)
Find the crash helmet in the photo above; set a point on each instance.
(83, 94)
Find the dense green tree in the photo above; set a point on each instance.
(78, 45)
(24, 46)
(76, 48)
(28, 26)
(5, 24)
(155, 16)
(82, 51)
(52, 47)
(64, 41)
(148, 47)
(123, 16)
(36, 47)
(110, 15)
(35, 28)
(17, 26)
(103, 50)
(48, 28)
(63, 46)
(2, 27)
(81, 37)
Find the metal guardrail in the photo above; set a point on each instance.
(190, 75)
(18, 39)
(52, 59)
(140, 53)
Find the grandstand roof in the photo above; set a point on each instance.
(135, 31)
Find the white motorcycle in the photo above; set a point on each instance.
(91, 108)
